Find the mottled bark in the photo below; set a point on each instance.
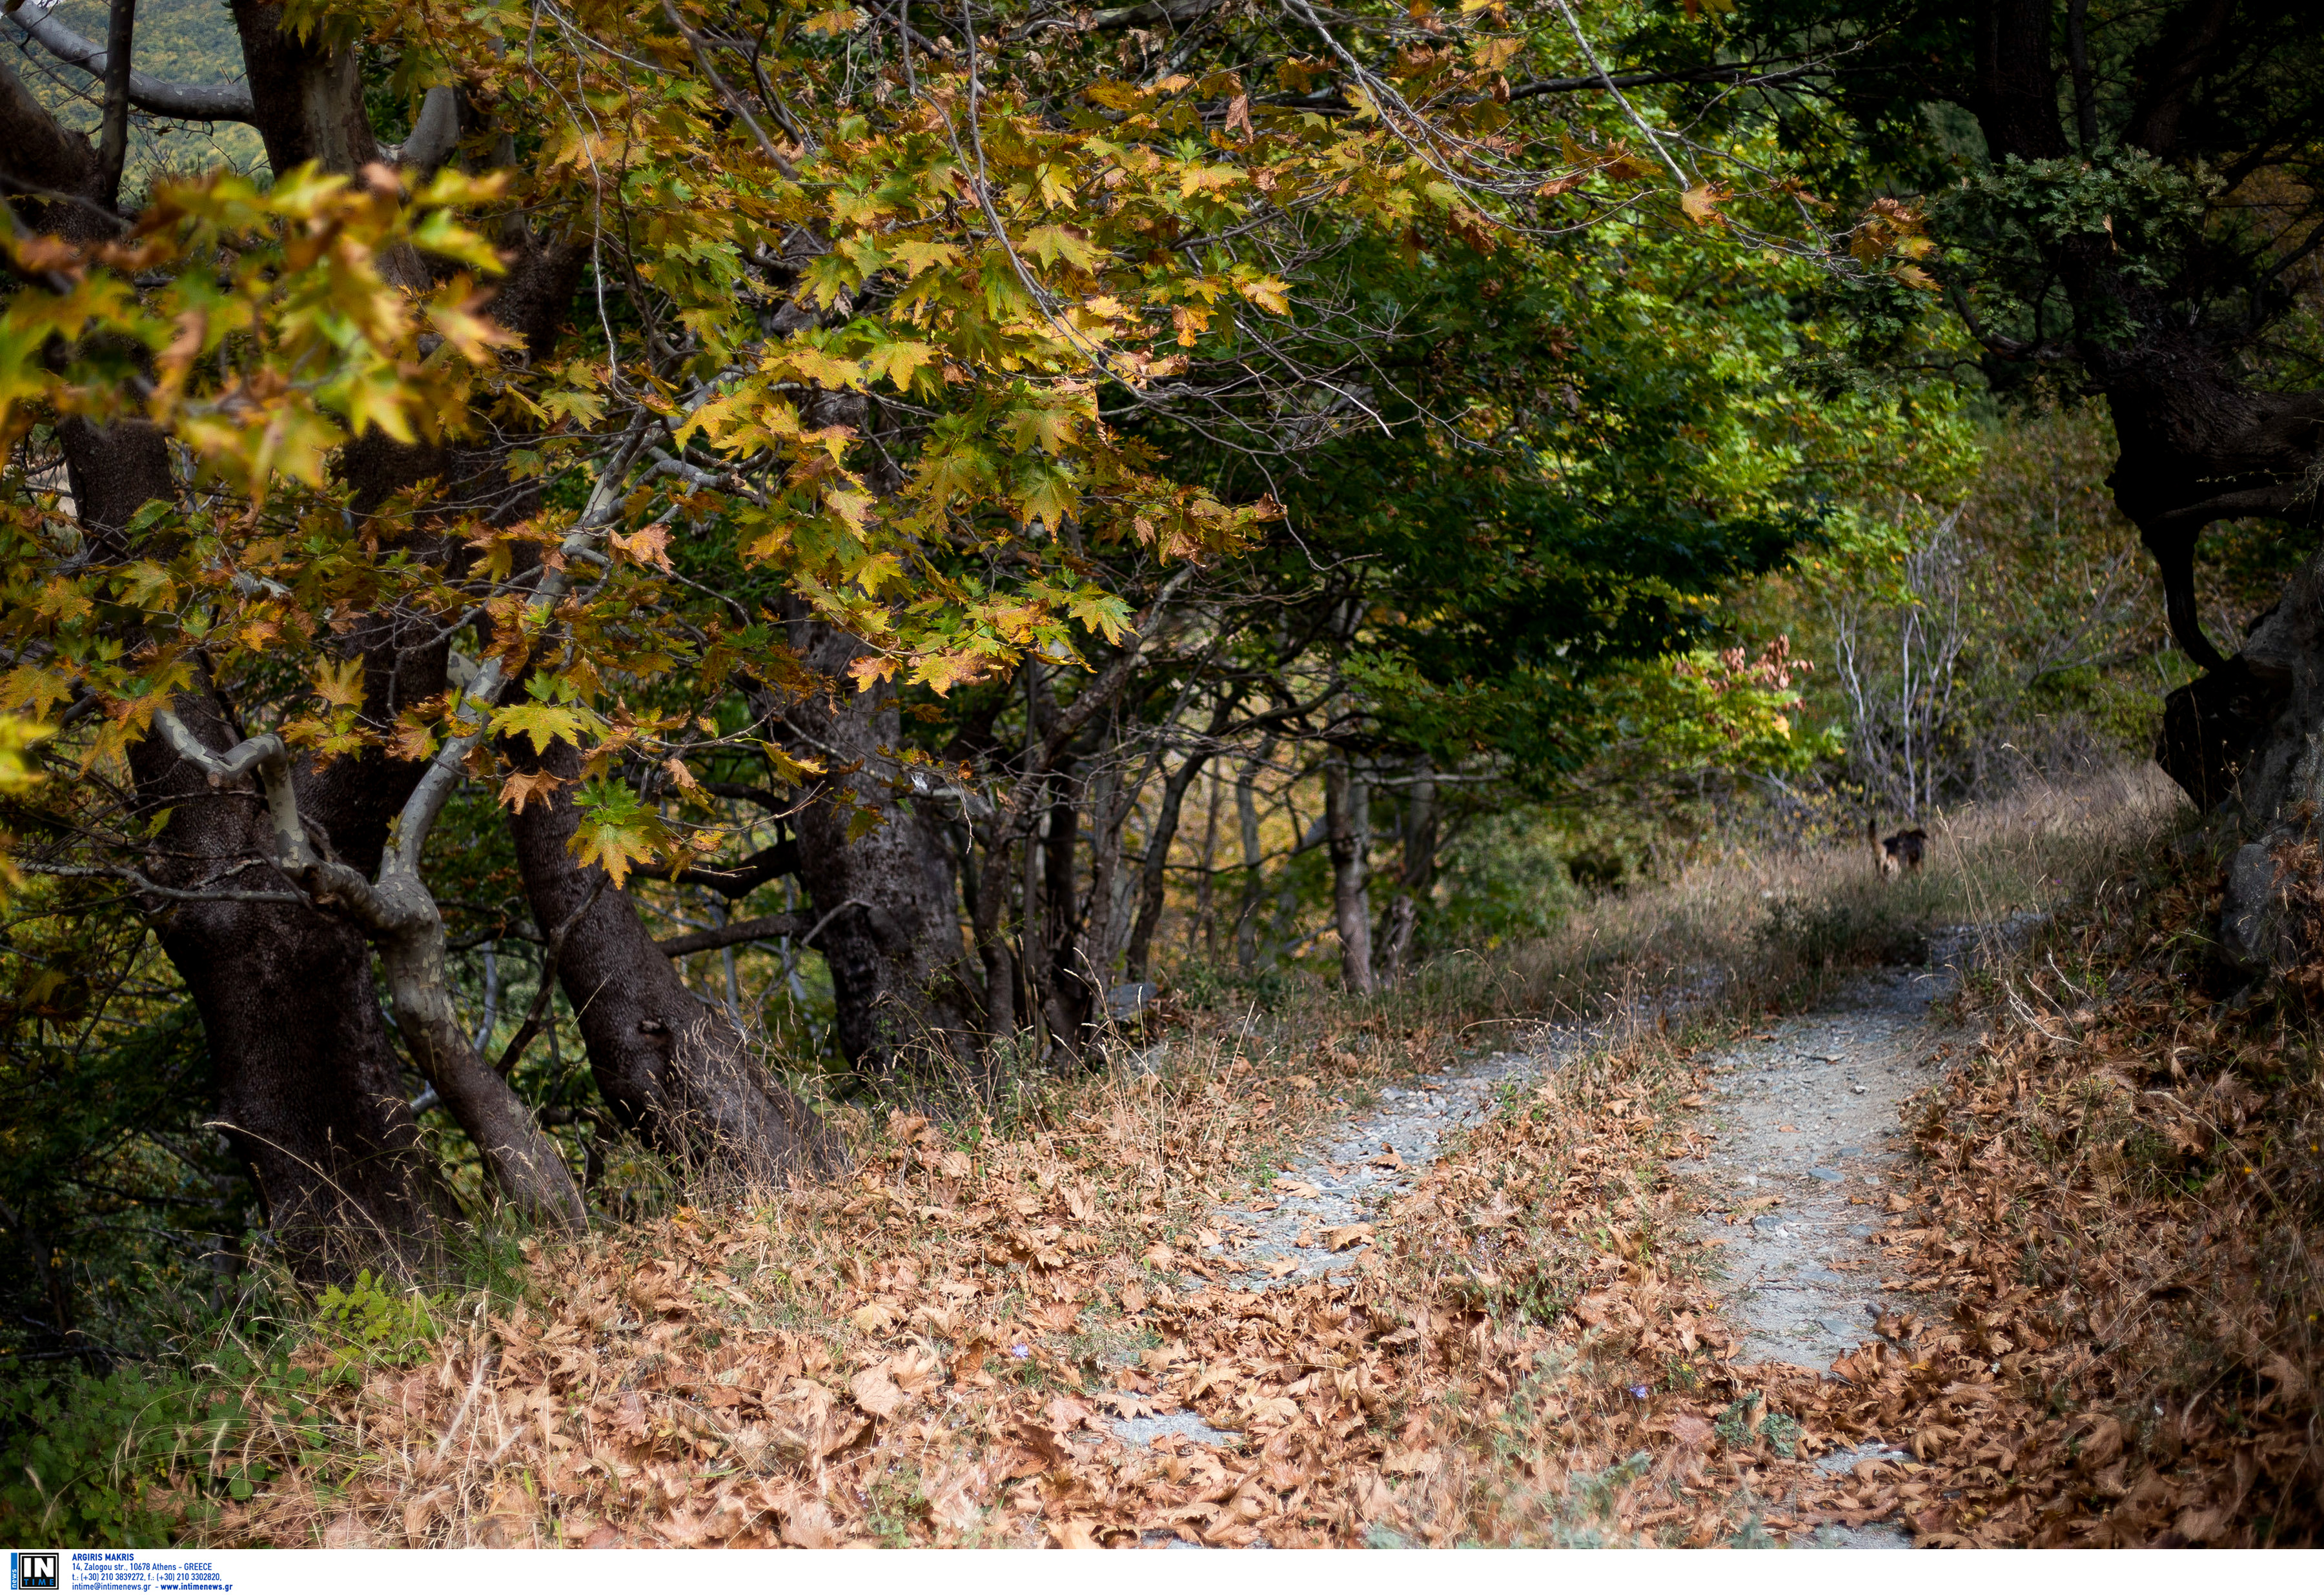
(524, 1164)
(880, 877)
(668, 1064)
(307, 96)
(310, 1090)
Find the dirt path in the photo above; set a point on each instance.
(1316, 1216)
(1808, 1147)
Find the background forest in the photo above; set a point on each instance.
(576, 635)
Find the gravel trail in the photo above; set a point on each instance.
(1808, 1147)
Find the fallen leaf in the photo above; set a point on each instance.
(1346, 1235)
(809, 1527)
(876, 1393)
(913, 1371)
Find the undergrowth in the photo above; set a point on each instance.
(1526, 1351)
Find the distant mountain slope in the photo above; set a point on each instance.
(186, 41)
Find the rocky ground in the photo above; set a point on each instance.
(1809, 1148)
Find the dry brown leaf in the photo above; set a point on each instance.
(876, 1393)
(916, 1370)
(1346, 1235)
(809, 1527)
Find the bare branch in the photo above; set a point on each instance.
(154, 887)
(732, 934)
(184, 102)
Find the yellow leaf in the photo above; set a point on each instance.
(341, 684)
(1268, 294)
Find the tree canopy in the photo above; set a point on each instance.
(622, 486)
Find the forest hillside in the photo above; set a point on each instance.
(1523, 774)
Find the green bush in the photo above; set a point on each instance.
(86, 1459)
(131, 1457)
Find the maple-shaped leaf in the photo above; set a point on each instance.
(649, 545)
(616, 831)
(870, 669)
(921, 254)
(1269, 294)
(1051, 244)
(788, 769)
(897, 360)
(523, 786)
(1048, 495)
(1701, 204)
(340, 685)
(543, 723)
(1101, 612)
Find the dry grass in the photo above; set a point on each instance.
(922, 1355)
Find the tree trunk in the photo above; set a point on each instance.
(1246, 825)
(1347, 818)
(1067, 988)
(524, 1164)
(668, 1066)
(310, 1091)
(1203, 937)
(308, 93)
(2268, 742)
(1154, 873)
(880, 878)
(1417, 877)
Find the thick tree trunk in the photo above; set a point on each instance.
(668, 1066)
(880, 881)
(1347, 820)
(307, 95)
(308, 1084)
(2199, 440)
(310, 1090)
(2260, 724)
